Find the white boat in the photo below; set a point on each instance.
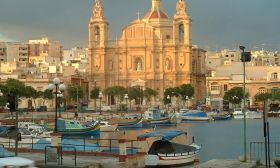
(166, 153)
(238, 114)
(106, 127)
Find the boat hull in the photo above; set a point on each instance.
(136, 124)
(108, 128)
(90, 131)
(170, 159)
(196, 118)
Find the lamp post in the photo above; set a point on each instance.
(95, 99)
(126, 98)
(100, 96)
(187, 104)
(245, 57)
(59, 96)
(169, 102)
(58, 87)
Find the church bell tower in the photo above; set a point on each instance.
(98, 37)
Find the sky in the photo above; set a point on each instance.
(217, 24)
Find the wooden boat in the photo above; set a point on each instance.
(75, 128)
(166, 153)
(138, 123)
(155, 116)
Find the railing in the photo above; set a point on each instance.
(58, 154)
(85, 144)
(257, 150)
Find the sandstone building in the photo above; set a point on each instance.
(155, 51)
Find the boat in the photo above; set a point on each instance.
(238, 114)
(155, 116)
(222, 116)
(138, 123)
(75, 128)
(104, 125)
(194, 115)
(166, 153)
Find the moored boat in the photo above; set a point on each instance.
(223, 116)
(238, 114)
(75, 128)
(155, 116)
(138, 123)
(164, 152)
(195, 116)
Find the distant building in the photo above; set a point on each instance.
(74, 55)
(14, 52)
(44, 50)
(259, 79)
(155, 51)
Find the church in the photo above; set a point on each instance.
(155, 51)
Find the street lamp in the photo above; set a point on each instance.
(187, 104)
(59, 96)
(100, 96)
(126, 98)
(58, 87)
(169, 101)
(245, 57)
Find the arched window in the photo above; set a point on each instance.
(181, 33)
(97, 35)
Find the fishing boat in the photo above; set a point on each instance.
(222, 116)
(138, 123)
(155, 116)
(193, 115)
(104, 125)
(166, 153)
(75, 128)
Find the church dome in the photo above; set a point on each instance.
(156, 11)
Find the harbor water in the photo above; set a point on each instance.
(225, 139)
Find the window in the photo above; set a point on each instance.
(274, 76)
(97, 35)
(225, 88)
(262, 90)
(181, 33)
(215, 88)
(167, 36)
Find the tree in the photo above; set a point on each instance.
(186, 90)
(115, 91)
(148, 93)
(234, 95)
(263, 96)
(32, 94)
(94, 93)
(72, 93)
(170, 92)
(275, 95)
(46, 95)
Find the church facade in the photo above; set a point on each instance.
(155, 51)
